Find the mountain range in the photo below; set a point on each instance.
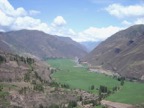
(40, 45)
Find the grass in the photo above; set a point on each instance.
(132, 93)
(81, 78)
(3, 100)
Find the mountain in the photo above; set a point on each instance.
(90, 45)
(122, 53)
(40, 44)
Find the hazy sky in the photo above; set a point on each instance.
(82, 20)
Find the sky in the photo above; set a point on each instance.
(82, 20)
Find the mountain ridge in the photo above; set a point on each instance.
(122, 53)
(40, 44)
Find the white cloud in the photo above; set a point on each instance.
(5, 20)
(59, 21)
(126, 23)
(34, 12)
(93, 33)
(8, 9)
(139, 21)
(121, 11)
(16, 19)
(29, 23)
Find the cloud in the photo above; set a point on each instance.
(59, 21)
(126, 23)
(16, 19)
(29, 23)
(8, 9)
(34, 12)
(139, 21)
(94, 33)
(121, 11)
(5, 20)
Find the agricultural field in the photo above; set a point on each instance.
(80, 78)
(131, 92)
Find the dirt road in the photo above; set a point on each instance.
(110, 104)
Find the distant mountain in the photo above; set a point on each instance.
(40, 44)
(90, 45)
(122, 53)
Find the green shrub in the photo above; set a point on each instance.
(53, 106)
(2, 59)
(72, 104)
(39, 87)
(27, 77)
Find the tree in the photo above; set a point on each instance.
(27, 77)
(2, 59)
(39, 87)
(41, 106)
(54, 106)
(122, 82)
(1, 87)
(30, 61)
(72, 104)
(103, 89)
(92, 87)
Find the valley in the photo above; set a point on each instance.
(38, 70)
(71, 53)
(82, 78)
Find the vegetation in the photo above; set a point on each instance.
(72, 104)
(119, 89)
(30, 60)
(27, 77)
(131, 92)
(2, 59)
(79, 77)
(53, 106)
(3, 97)
(39, 87)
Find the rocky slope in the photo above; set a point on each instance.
(26, 83)
(122, 53)
(40, 44)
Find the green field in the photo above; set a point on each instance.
(80, 77)
(132, 93)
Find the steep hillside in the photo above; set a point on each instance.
(40, 44)
(122, 53)
(26, 83)
(17, 68)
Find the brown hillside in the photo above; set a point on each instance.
(40, 44)
(122, 53)
(26, 83)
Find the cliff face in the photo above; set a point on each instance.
(122, 53)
